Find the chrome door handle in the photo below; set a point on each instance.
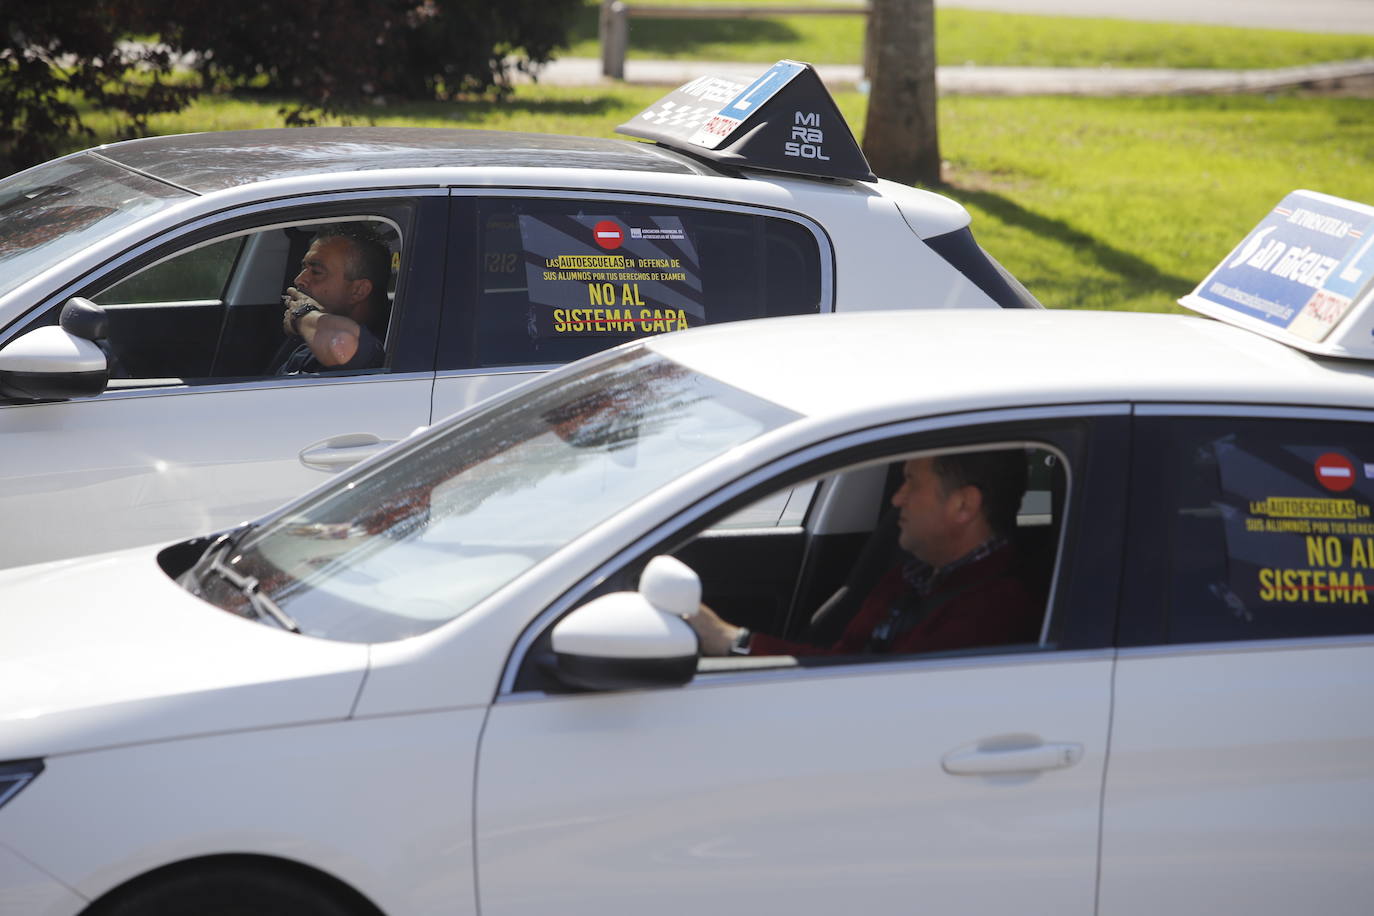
(976, 761)
(339, 452)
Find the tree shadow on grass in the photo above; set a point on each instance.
(1139, 274)
(659, 37)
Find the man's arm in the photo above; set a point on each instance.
(718, 636)
(333, 339)
(715, 634)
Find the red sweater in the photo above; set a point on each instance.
(984, 604)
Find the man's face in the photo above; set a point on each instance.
(324, 276)
(928, 515)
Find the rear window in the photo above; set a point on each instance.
(966, 256)
(563, 279)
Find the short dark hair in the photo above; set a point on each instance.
(369, 258)
(999, 475)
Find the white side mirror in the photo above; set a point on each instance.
(633, 639)
(671, 586)
(49, 363)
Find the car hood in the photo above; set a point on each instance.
(109, 651)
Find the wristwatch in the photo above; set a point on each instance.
(740, 644)
(300, 312)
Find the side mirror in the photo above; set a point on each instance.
(50, 364)
(633, 639)
(83, 318)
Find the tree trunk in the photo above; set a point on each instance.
(901, 137)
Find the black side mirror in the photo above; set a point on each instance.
(83, 318)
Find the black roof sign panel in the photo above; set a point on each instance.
(783, 121)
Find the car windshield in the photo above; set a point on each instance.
(404, 545)
(53, 211)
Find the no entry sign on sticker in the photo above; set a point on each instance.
(1335, 472)
(609, 235)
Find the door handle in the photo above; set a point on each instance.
(339, 452)
(977, 761)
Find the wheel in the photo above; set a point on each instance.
(228, 889)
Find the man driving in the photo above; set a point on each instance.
(959, 583)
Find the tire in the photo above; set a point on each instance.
(227, 889)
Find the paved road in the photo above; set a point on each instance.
(1355, 16)
(578, 71)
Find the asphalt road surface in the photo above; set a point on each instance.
(1355, 16)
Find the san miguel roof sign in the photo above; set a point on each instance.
(783, 121)
(1304, 275)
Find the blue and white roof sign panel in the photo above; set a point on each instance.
(735, 112)
(1300, 271)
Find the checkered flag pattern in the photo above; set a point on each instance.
(671, 114)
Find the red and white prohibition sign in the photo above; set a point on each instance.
(608, 234)
(1335, 472)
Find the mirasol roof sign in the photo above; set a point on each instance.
(782, 121)
(1304, 275)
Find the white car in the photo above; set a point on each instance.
(511, 253)
(458, 679)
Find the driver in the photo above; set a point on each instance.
(338, 305)
(959, 584)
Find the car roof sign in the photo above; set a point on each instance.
(783, 121)
(1304, 275)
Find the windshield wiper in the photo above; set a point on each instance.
(212, 561)
(251, 589)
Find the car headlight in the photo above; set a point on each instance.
(15, 775)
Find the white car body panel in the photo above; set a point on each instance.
(1242, 772)
(26, 889)
(88, 670)
(750, 791)
(1135, 357)
(457, 391)
(298, 794)
(128, 467)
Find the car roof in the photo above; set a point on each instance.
(209, 162)
(891, 365)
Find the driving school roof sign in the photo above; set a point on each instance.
(783, 121)
(1304, 275)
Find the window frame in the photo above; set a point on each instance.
(1080, 610)
(457, 354)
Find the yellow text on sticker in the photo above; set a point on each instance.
(646, 321)
(1292, 507)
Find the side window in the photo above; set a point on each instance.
(213, 309)
(1267, 527)
(958, 553)
(560, 279)
(199, 275)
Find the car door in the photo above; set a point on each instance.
(548, 277)
(194, 433)
(960, 782)
(1242, 740)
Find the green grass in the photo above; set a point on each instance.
(1128, 203)
(1093, 203)
(973, 36)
